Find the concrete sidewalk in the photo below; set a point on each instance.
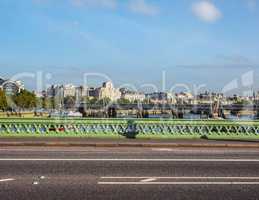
(90, 142)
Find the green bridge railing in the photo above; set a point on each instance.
(140, 128)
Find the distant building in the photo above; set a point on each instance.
(10, 86)
(108, 91)
(51, 91)
(82, 91)
(184, 97)
(61, 90)
(132, 95)
(69, 90)
(160, 97)
(93, 93)
(209, 98)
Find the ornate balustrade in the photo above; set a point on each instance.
(118, 127)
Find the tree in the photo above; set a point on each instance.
(69, 102)
(105, 101)
(123, 101)
(3, 101)
(145, 101)
(136, 101)
(47, 102)
(25, 99)
(90, 101)
(239, 106)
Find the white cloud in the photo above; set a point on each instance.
(111, 4)
(206, 11)
(142, 7)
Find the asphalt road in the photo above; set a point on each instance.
(128, 173)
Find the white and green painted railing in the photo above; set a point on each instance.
(149, 128)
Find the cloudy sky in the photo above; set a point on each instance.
(210, 42)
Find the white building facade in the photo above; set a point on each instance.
(108, 91)
(10, 86)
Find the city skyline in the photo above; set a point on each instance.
(194, 42)
(241, 86)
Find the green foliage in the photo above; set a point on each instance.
(242, 102)
(48, 102)
(145, 101)
(25, 100)
(95, 101)
(123, 101)
(105, 101)
(3, 101)
(136, 101)
(90, 101)
(45, 102)
(69, 102)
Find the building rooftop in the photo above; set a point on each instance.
(1, 81)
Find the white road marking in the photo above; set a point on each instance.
(8, 179)
(52, 150)
(180, 177)
(35, 183)
(162, 149)
(205, 151)
(133, 151)
(130, 159)
(148, 180)
(178, 183)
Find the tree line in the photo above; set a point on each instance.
(28, 100)
(20, 101)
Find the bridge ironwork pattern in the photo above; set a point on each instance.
(143, 128)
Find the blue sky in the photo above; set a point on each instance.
(207, 42)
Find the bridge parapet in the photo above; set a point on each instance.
(149, 128)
